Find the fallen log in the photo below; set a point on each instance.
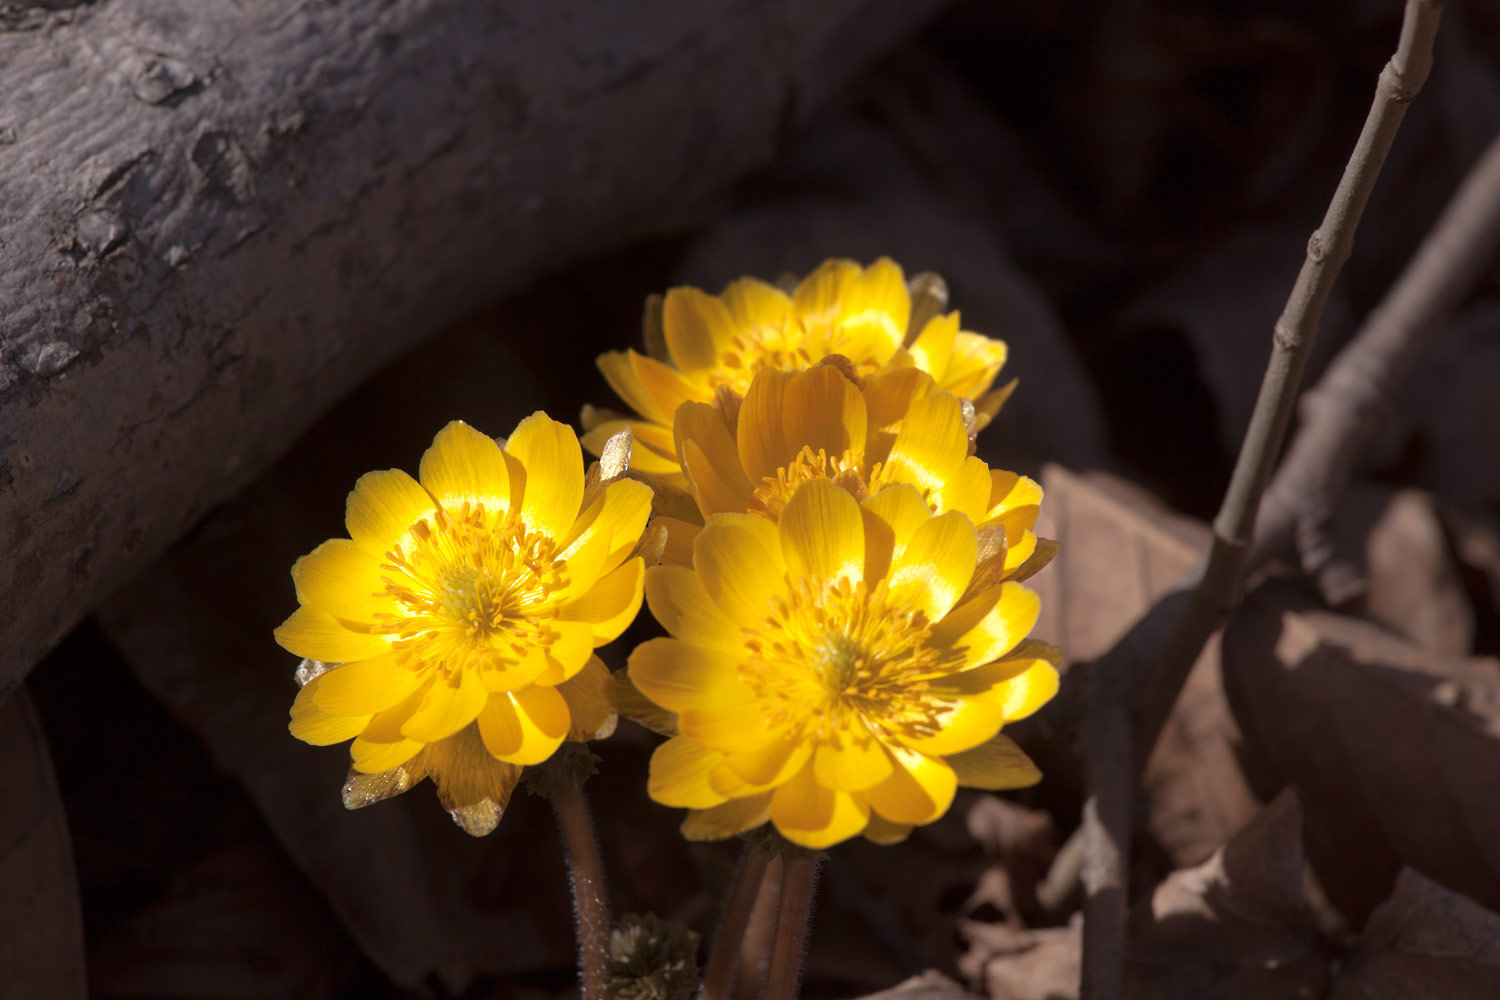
(216, 217)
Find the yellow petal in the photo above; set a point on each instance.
(968, 491)
(678, 774)
(997, 765)
(642, 710)
(823, 410)
(366, 686)
(451, 703)
(728, 819)
(650, 452)
(822, 534)
(553, 462)
(769, 766)
(919, 790)
(882, 831)
(342, 579)
(755, 303)
(856, 762)
(1024, 694)
(680, 536)
(678, 601)
(612, 603)
(590, 694)
(733, 729)
(311, 724)
(891, 517)
(967, 722)
(697, 326)
(931, 445)
(464, 466)
(570, 647)
(877, 304)
(627, 508)
(716, 491)
(815, 817)
(760, 436)
(933, 348)
(471, 783)
(936, 566)
(1013, 611)
(667, 387)
(975, 363)
(317, 635)
(509, 669)
(526, 726)
(889, 396)
(678, 675)
(382, 746)
(619, 371)
(383, 507)
(738, 558)
(818, 296)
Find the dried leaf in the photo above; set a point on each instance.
(1015, 964)
(41, 921)
(1425, 941)
(930, 985)
(1235, 926)
(1395, 751)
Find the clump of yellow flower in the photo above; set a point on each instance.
(712, 341)
(867, 434)
(462, 613)
(838, 671)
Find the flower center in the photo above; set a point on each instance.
(847, 470)
(828, 653)
(791, 345)
(470, 589)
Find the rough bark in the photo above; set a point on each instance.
(216, 216)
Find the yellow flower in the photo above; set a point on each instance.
(462, 615)
(896, 427)
(839, 671)
(864, 314)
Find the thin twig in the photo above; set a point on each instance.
(1344, 410)
(749, 876)
(798, 883)
(1194, 616)
(590, 901)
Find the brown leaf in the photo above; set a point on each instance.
(1395, 751)
(1024, 965)
(1425, 941)
(1234, 926)
(1412, 579)
(41, 921)
(1120, 551)
(930, 985)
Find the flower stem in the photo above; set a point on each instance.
(799, 880)
(718, 980)
(586, 869)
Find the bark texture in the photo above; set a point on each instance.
(217, 216)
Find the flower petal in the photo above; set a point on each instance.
(317, 635)
(698, 327)
(891, 517)
(968, 721)
(968, 491)
(618, 370)
(678, 550)
(734, 729)
(823, 410)
(997, 765)
(771, 765)
(818, 296)
(822, 534)
(678, 774)
(1028, 691)
(760, 436)
(451, 703)
(570, 648)
(755, 303)
(728, 819)
(651, 451)
(342, 579)
(738, 558)
(919, 790)
(879, 302)
(679, 602)
(856, 762)
(1013, 611)
(714, 493)
(678, 675)
(364, 687)
(464, 466)
(382, 746)
(933, 348)
(889, 396)
(383, 507)
(808, 814)
(526, 726)
(471, 784)
(611, 604)
(311, 724)
(931, 445)
(882, 831)
(936, 566)
(667, 387)
(553, 484)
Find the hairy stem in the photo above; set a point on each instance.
(749, 877)
(590, 901)
(799, 881)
